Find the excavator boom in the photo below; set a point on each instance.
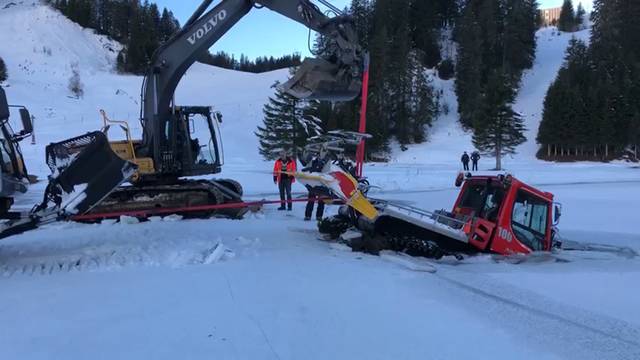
(334, 76)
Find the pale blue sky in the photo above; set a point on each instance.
(263, 32)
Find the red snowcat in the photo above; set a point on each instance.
(494, 213)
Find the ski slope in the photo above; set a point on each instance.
(265, 287)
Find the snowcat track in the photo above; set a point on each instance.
(399, 236)
(185, 194)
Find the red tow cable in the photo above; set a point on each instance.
(186, 209)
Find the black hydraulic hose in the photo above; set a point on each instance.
(330, 6)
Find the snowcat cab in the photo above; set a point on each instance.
(505, 215)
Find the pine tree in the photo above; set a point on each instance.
(4, 75)
(498, 129)
(168, 25)
(424, 19)
(580, 16)
(360, 11)
(288, 123)
(519, 36)
(378, 116)
(397, 76)
(567, 20)
(422, 102)
(472, 62)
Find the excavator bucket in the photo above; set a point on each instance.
(84, 171)
(319, 79)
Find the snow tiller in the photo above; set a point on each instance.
(493, 213)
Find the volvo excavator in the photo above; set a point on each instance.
(89, 176)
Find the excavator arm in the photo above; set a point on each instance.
(334, 77)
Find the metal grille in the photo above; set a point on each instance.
(66, 149)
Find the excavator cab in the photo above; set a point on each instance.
(194, 145)
(197, 135)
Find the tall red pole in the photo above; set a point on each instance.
(363, 116)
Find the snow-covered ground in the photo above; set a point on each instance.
(265, 287)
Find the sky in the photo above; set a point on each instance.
(263, 32)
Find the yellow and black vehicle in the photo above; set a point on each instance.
(14, 176)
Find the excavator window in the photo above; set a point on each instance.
(201, 128)
(529, 220)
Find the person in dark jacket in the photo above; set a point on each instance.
(282, 176)
(475, 156)
(316, 165)
(465, 161)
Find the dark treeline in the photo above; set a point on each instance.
(139, 26)
(259, 65)
(592, 110)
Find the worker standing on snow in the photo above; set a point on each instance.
(282, 176)
(475, 156)
(316, 166)
(465, 161)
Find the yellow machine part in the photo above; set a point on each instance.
(354, 198)
(359, 202)
(125, 150)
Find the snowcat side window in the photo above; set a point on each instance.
(529, 220)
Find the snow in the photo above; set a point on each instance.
(266, 287)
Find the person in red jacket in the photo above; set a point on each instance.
(282, 171)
